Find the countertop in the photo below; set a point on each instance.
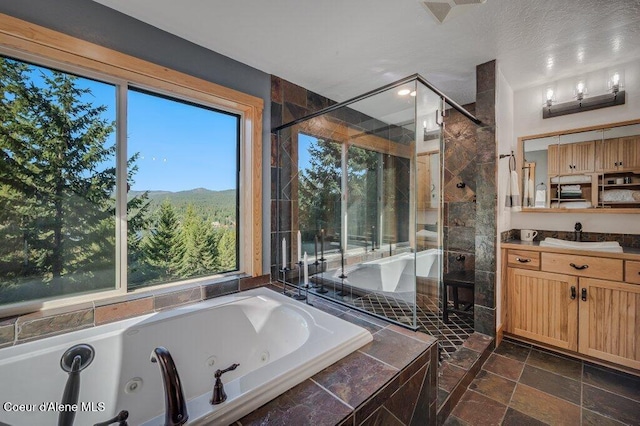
(628, 253)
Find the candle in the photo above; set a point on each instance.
(284, 253)
(299, 247)
(316, 248)
(306, 269)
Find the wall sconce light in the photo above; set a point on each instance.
(584, 103)
(580, 91)
(549, 97)
(615, 81)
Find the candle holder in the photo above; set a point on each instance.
(319, 288)
(342, 274)
(299, 296)
(284, 271)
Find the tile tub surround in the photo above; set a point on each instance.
(522, 385)
(51, 322)
(378, 384)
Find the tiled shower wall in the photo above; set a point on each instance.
(486, 201)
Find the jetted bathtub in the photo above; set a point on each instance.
(395, 274)
(277, 341)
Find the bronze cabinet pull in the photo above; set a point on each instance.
(521, 260)
(573, 292)
(579, 268)
(584, 294)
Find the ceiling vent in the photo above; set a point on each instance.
(443, 10)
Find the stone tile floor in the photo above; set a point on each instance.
(451, 335)
(522, 385)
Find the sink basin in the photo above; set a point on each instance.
(610, 246)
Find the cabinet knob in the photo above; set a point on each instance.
(584, 295)
(578, 267)
(521, 260)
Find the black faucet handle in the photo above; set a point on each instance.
(219, 395)
(219, 372)
(120, 418)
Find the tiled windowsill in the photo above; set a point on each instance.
(49, 322)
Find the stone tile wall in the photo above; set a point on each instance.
(51, 322)
(486, 201)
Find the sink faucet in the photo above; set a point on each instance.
(175, 403)
(578, 231)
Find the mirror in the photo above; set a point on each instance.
(590, 168)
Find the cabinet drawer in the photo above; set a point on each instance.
(632, 272)
(524, 259)
(583, 266)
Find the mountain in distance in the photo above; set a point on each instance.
(217, 206)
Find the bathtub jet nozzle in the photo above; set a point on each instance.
(175, 402)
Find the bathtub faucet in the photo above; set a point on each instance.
(219, 395)
(73, 361)
(175, 403)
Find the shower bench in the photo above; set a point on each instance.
(456, 280)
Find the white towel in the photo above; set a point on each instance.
(527, 197)
(512, 200)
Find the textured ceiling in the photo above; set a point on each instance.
(342, 48)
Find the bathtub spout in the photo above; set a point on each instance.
(73, 361)
(175, 402)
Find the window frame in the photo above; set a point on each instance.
(41, 46)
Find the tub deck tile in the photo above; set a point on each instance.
(355, 378)
(385, 348)
(304, 404)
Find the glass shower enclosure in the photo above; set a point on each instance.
(359, 196)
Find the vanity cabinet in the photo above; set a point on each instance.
(585, 303)
(542, 306)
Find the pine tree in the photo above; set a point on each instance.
(195, 253)
(320, 188)
(227, 250)
(159, 245)
(57, 179)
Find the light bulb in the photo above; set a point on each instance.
(580, 91)
(615, 79)
(404, 92)
(615, 83)
(549, 98)
(413, 93)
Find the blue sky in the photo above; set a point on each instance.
(181, 146)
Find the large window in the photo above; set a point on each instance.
(184, 184)
(60, 187)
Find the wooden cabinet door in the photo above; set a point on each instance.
(540, 307)
(552, 161)
(607, 155)
(584, 156)
(610, 321)
(629, 153)
(565, 157)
